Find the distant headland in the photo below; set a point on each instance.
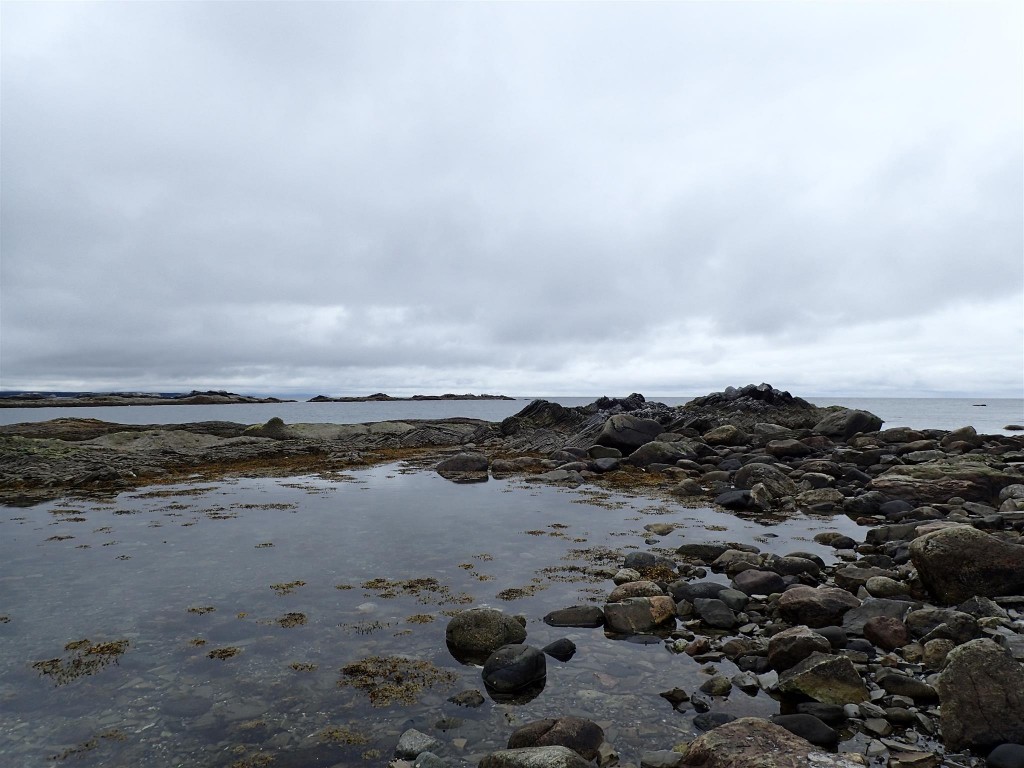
(195, 397)
(381, 397)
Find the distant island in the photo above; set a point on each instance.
(97, 399)
(380, 397)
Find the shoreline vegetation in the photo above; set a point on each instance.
(195, 397)
(907, 651)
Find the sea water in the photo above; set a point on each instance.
(988, 416)
(235, 607)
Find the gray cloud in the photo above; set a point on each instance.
(517, 197)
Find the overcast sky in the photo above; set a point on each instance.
(526, 198)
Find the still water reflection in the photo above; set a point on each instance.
(218, 618)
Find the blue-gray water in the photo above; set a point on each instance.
(919, 413)
(131, 568)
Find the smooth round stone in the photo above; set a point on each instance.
(514, 667)
(1007, 756)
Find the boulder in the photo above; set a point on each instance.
(961, 562)
(715, 613)
(981, 692)
(808, 727)
(412, 743)
(751, 742)
(969, 477)
(886, 632)
(727, 434)
(627, 432)
(754, 581)
(775, 480)
(788, 449)
(845, 423)
(789, 647)
(535, 757)
(656, 452)
(584, 737)
(639, 614)
(474, 634)
(825, 678)
(514, 667)
(461, 464)
(576, 616)
(816, 607)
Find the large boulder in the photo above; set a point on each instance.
(961, 562)
(971, 477)
(751, 742)
(514, 668)
(583, 737)
(981, 691)
(535, 757)
(845, 423)
(474, 634)
(816, 606)
(774, 479)
(789, 647)
(627, 432)
(825, 678)
(657, 452)
(637, 615)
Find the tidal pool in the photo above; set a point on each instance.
(230, 623)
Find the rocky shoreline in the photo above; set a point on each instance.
(381, 397)
(908, 652)
(107, 399)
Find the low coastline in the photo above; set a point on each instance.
(918, 495)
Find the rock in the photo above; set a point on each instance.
(788, 449)
(413, 742)
(634, 589)
(715, 613)
(981, 692)
(935, 482)
(735, 499)
(429, 760)
(935, 653)
(535, 757)
(1007, 756)
(562, 649)
(462, 464)
(789, 647)
(718, 685)
(576, 616)
(627, 432)
(639, 614)
(705, 552)
(775, 480)
(513, 668)
(751, 742)
(886, 632)
(808, 727)
(958, 563)
(855, 619)
(757, 582)
(471, 699)
(656, 452)
(904, 685)
(603, 452)
(825, 678)
(474, 634)
(707, 721)
(583, 737)
(845, 423)
(727, 434)
(816, 607)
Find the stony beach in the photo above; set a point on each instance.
(905, 650)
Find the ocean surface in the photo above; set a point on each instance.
(988, 416)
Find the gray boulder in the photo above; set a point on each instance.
(845, 423)
(474, 634)
(961, 562)
(751, 742)
(775, 480)
(584, 737)
(462, 464)
(825, 678)
(640, 614)
(627, 432)
(816, 607)
(789, 647)
(656, 452)
(535, 757)
(981, 691)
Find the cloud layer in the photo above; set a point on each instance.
(528, 198)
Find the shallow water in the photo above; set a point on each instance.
(132, 568)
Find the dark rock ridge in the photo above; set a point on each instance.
(91, 399)
(380, 397)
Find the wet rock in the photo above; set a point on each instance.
(824, 678)
(657, 452)
(816, 607)
(905, 685)
(757, 582)
(958, 563)
(845, 423)
(576, 616)
(634, 589)
(855, 619)
(1007, 756)
(886, 632)
(514, 667)
(413, 742)
(471, 699)
(462, 463)
(474, 634)
(808, 727)
(981, 692)
(639, 614)
(535, 757)
(562, 649)
(715, 613)
(751, 742)
(717, 685)
(583, 737)
(789, 647)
